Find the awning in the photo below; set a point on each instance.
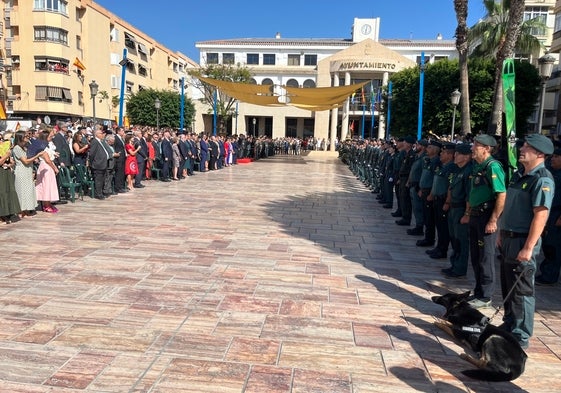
(67, 95)
(41, 93)
(313, 99)
(55, 92)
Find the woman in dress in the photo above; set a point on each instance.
(176, 156)
(9, 204)
(45, 184)
(25, 186)
(80, 148)
(204, 153)
(151, 156)
(131, 165)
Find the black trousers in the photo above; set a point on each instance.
(428, 214)
(99, 181)
(441, 224)
(482, 247)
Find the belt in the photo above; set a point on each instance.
(512, 235)
(484, 206)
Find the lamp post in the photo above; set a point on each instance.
(545, 65)
(93, 92)
(157, 105)
(455, 100)
(254, 122)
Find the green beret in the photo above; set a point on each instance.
(409, 139)
(486, 140)
(540, 142)
(463, 148)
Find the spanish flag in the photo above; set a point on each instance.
(79, 64)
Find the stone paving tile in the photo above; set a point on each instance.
(241, 280)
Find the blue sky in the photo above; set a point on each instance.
(179, 24)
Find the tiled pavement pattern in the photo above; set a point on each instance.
(283, 275)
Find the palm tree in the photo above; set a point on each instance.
(461, 8)
(499, 35)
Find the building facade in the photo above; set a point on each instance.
(323, 63)
(52, 50)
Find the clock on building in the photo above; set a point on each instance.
(366, 29)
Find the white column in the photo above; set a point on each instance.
(345, 119)
(334, 117)
(381, 108)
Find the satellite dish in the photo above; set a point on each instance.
(47, 120)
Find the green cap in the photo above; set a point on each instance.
(486, 140)
(463, 148)
(540, 142)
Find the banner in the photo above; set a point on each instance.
(508, 77)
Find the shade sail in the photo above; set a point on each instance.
(313, 99)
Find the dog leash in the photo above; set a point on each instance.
(498, 309)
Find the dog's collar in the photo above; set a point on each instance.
(476, 328)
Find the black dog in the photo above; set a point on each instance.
(501, 358)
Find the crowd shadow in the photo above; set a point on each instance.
(325, 218)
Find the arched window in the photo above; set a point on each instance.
(309, 83)
(292, 83)
(267, 81)
(252, 81)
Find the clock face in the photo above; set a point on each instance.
(366, 29)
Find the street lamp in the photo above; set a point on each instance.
(254, 122)
(93, 91)
(545, 65)
(455, 100)
(157, 105)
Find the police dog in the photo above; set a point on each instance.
(501, 358)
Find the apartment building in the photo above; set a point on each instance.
(52, 50)
(327, 62)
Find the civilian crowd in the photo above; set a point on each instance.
(469, 206)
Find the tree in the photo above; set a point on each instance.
(497, 36)
(225, 105)
(141, 110)
(461, 8)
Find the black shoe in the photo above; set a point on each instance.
(447, 270)
(14, 218)
(432, 251)
(139, 186)
(417, 231)
(425, 243)
(451, 274)
(438, 255)
(396, 214)
(387, 206)
(402, 222)
(166, 180)
(100, 197)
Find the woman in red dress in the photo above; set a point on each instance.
(151, 157)
(131, 165)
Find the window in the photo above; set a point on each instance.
(291, 127)
(252, 58)
(80, 98)
(130, 66)
(308, 83)
(310, 60)
(115, 58)
(293, 60)
(52, 64)
(268, 59)
(52, 93)
(539, 13)
(59, 6)
(130, 42)
(267, 82)
(228, 58)
(143, 51)
(114, 82)
(114, 34)
(292, 83)
(52, 34)
(212, 58)
(142, 70)
(78, 42)
(129, 86)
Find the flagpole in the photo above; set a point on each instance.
(390, 96)
(421, 88)
(182, 105)
(123, 64)
(214, 108)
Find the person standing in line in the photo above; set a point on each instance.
(485, 206)
(430, 166)
(98, 157)
(404, 195)
(167, 157)
(119, 146)
(527, 206)
(23, 172)
(108, 188)
(141, 158)
(551, 245)
(413, 185)
(439, 193)
(455, 204)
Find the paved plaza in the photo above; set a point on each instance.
(283, 275)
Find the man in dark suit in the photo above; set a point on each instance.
(167, 156)
(184, 155)
(62, 147)
(141, 158)
(119, 147)
(98, 156)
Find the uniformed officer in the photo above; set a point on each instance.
(413, 183)
(404, 169)
(398, 160)
(528, 202)
(456, 201)
(439, 193)
(430, 166)
(485, 205)
(551, 242)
